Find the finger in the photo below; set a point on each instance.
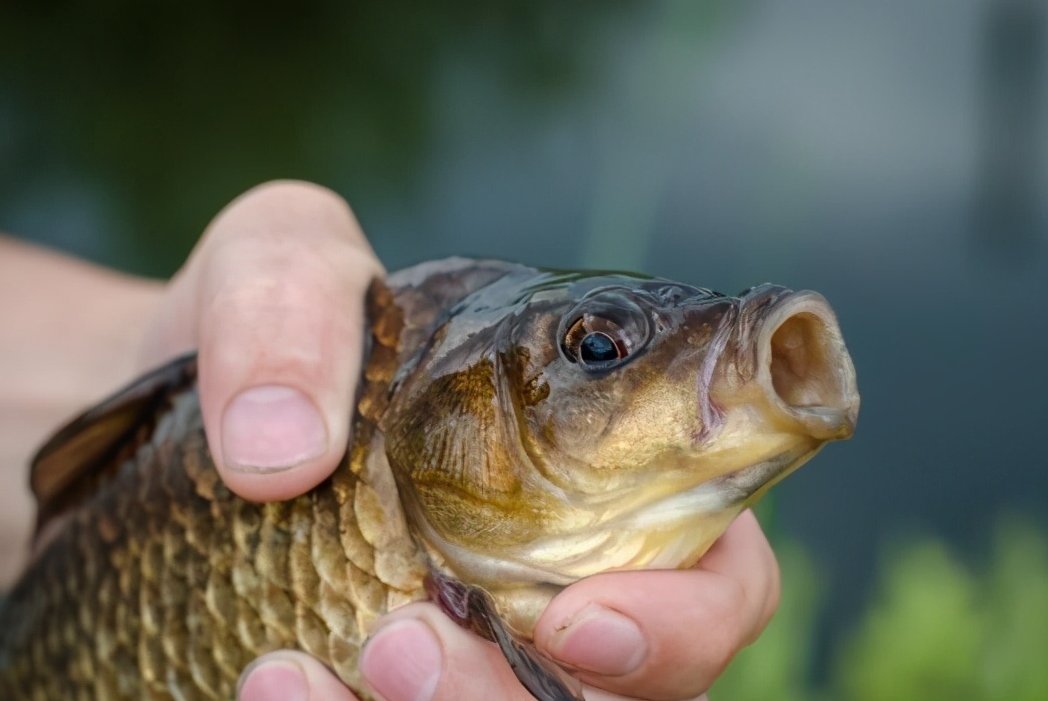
(419, 654)
(666, 634)
(278, 287)
(290, 676)
(743, 554)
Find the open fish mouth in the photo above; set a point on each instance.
(805, 369)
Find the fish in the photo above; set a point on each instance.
(516, 429)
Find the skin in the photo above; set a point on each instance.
(267, 296)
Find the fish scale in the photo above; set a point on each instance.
(195, 583)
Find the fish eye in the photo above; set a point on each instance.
(598, 347)
(604, 330)
(596, 343)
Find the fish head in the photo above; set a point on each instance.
(580, 422)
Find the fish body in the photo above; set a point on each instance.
(516, 429)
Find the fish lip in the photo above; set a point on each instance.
(747, 482)
(727, 491)
(832, 421)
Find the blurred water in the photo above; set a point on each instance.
(891, 155)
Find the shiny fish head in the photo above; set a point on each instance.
(572, 423)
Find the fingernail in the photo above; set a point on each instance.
(271, 428)
(403, 661)
(274, 680)
(600, 640)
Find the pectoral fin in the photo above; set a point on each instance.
(473, 608)
(75, 460)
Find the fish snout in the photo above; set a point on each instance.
(804, 368)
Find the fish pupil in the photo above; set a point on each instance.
(598, 347)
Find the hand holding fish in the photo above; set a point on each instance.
(263, 299)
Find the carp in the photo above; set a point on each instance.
(516, 429)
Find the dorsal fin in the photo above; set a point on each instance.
(68, 467)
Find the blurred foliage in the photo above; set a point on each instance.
(923, 636)
(939, 628)
(174, 108)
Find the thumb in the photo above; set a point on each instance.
(287, 675)
(273, 299)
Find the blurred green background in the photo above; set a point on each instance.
(889, 154)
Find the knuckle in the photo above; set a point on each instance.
(272, 295)
(262, 318)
